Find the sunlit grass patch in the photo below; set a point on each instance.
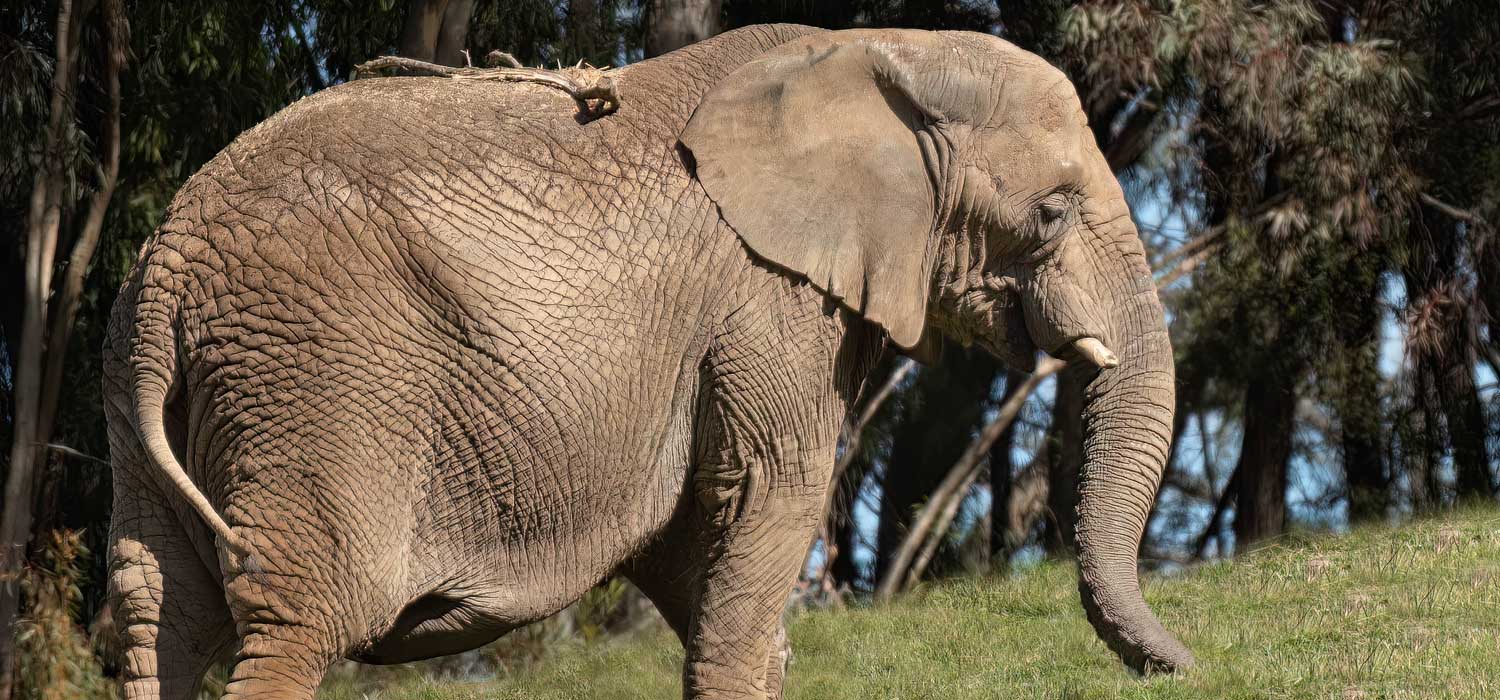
(1408, 612)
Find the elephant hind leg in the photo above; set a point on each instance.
(327, 559)
(168, 606)
(289, 632)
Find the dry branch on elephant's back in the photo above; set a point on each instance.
(582, 82)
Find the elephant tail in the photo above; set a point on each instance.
(154, 373)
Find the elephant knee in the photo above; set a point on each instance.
(720, 489)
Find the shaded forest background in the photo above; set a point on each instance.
(1317, 182)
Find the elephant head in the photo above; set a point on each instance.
(949, 183)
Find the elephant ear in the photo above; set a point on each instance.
(811, 153)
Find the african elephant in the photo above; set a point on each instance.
(417, 361)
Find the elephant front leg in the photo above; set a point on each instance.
(761, 509)
(669, 572)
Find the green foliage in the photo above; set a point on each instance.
(1379, 613)
(56, 660)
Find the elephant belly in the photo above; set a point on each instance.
(534, 505)
(445, 622)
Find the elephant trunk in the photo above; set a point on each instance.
(1127, 423)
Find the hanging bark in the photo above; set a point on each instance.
(673, 24)
(43, 347)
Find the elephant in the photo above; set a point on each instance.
(420, 360)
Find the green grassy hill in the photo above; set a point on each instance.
(1411, 612)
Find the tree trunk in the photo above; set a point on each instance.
(1269, 412)
(1064, 461)
(453, 37)
(38, 372)
(843, 569)
(1446, 355)
(1003, 543)
(905, 483)
(673, 24)
(436, 30)
(1467, 428)
(1361, 425)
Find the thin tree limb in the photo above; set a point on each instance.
(314, 76)
(1200, 546)
(1187, 265)
(851, 434)
(938, 513)
(1452, 211)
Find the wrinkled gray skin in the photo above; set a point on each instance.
(420, 360)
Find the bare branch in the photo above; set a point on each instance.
(1451, 211)
(1191, 262)
(937, 514)
(867, 414)
(583, 83)
(501, 59)
(373, 67)
(1200, 547)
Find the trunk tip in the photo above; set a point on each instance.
(1169, 661)
(1137, 637)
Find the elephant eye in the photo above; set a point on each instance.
(1053, 208)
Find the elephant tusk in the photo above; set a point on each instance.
(1095, 352)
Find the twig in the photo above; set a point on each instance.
(602, 88)
(1452, 211)
(372, 68)
(72, 452)
(1187, 264)
(501, 59)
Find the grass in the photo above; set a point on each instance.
(1410, 612)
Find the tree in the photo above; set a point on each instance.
(50, 304)
(435, 31)
(673, 24)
